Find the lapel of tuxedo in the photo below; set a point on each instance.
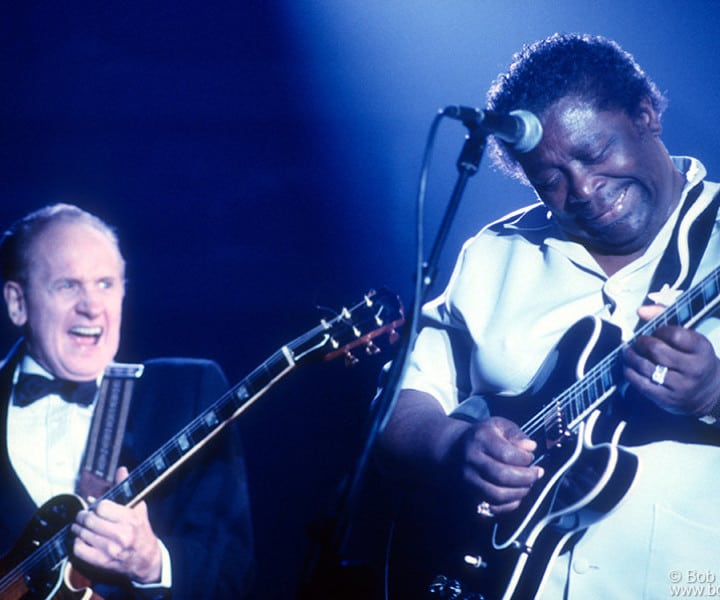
(16, 506)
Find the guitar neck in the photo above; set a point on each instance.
(691, 306)
(201, 430)
(378, 313)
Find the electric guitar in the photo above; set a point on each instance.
(38, 566)
(587, 471)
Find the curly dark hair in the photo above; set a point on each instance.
(593, 68)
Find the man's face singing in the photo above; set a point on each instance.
(71, 305)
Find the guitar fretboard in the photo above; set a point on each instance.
(204, 427)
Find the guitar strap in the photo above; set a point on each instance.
(673, 275)
(686, 247)
(102, 452)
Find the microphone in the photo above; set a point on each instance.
(519, 128)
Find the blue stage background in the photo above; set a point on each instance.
(261, 159)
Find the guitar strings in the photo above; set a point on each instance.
(39, 556)
(594, 378)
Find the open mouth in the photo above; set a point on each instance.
(86, 335)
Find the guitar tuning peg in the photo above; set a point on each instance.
(350, 359)
(444, 588)
(475, 561)
(371, 348)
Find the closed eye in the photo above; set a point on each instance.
(546, 185)
(596, 156)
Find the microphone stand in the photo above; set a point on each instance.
(467, 165)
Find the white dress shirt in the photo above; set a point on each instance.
(47, 459)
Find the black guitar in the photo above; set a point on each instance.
(36, 567)
(442, 552)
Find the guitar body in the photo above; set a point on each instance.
(579, 492)
(587, 473)
(35, 581)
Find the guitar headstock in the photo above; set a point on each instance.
(378, 313)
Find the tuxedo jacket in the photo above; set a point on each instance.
(201, 511)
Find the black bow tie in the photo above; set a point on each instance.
(33, 387)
